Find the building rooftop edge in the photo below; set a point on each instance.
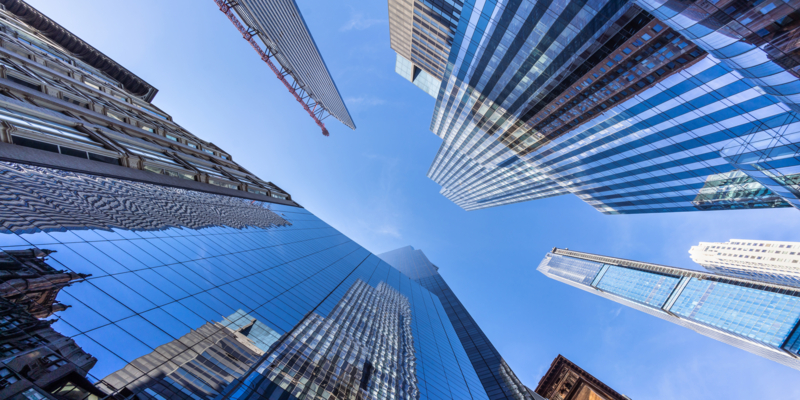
(79, 48)
(560, 359)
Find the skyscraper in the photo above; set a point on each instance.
(495, 375)
(758, 317)
(630, 105)
(565, 380)
(286, 40)
(763, 260)
(170, 271)
(421, 33)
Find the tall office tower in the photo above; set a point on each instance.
(630, 105)
(421, 33)
(284, 35)
(170, 272)
(565, 380)
(758, 317)
(495, 375)
(763, 260)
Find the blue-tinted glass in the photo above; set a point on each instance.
(763, 316)
(640, 286)
(185, 304)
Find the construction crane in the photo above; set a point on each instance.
(312, 107)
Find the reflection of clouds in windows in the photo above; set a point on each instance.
(47, 199)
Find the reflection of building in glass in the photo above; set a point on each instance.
(363, 349)
(565, 380)
(633, 106)
(763, 260)
(176, 236)
(198, 365)
(498, 379)
(758, 317)
(34, 358)
(27, 280)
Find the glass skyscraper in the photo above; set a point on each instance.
(633, 106)
(138, 261)
(762, 318)
(495, 375)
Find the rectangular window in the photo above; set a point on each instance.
(115, 116)
(92, 85)
(24, 82)
(170, 137)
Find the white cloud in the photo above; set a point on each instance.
(358, 22)
(390, 230)
(365, 100)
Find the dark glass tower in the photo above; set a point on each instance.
(496, 376)
(170, 271)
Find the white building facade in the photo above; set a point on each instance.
(765, 260)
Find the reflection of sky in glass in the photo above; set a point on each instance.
(149, 287)
(759, 315)
(643, 287)
(574, 269)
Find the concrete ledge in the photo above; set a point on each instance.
(26, 155)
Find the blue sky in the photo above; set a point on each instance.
(371, 185)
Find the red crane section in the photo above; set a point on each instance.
(308, 103)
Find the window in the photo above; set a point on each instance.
(24, 82)
(149, 129)
(222, 183)
(32, 394)
(7, 378)
(256, 190)
(208, 151)
(115, 116)
(170, 137)
(164, 171)
(7, 349)
(92, 85)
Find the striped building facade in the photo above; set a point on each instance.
(633, 106)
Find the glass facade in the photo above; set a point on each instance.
(496, 377)
(633, 106)
(643, 287)
(763, 319)
(138, 261)
(172, 302)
